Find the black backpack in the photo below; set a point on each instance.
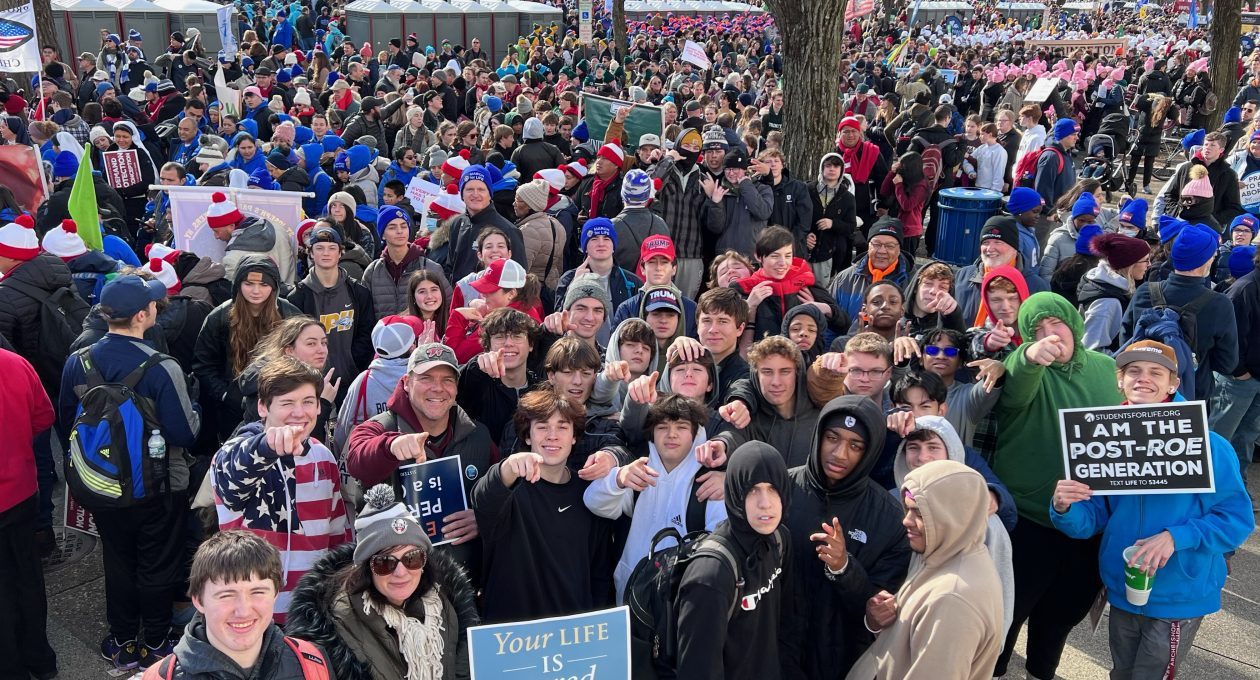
(1175, 326)
(652, 593)
(107, 464)
(61, 314)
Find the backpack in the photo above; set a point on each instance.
(933, 167)
(1210, 102)
(61, 315)
(311, 660)
(949, 151)
(1026, 171)
(904, 134)
(652, 591)
(1175, 326)
(107, 464)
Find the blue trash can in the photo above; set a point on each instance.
(963, 212)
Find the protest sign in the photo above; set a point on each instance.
(591, 646)
(1041, 90)
(643, 118)
(229, 98)
(433, 491)
(188, 215)
(1249, 192)
(693, 52)
(226, 37)
(19, 48)
(79, 518)
(1148, 449)
(121, 168)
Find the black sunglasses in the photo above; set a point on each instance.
(384, 565)
(934, 350)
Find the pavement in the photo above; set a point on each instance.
(1227, 646)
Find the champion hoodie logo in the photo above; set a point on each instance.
(749, 602)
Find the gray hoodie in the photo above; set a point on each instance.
(608, 397)
(996, 539)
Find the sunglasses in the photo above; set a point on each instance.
(384, 565)
(936, 350)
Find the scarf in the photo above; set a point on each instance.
(878, 275)
(598, 187)
(420, 642)
(799, 276)
(859, 161)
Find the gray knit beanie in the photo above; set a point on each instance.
(385, 524)
(588, 286)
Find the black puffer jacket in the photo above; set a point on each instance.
(824, 634)
(197, 659)
(19, 312)
(312, 616)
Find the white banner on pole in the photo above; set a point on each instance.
(19, 45)
(694, 52)
(226, 36)
(229, 98)
(188, 216)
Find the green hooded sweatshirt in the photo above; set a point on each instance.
(1029, 457)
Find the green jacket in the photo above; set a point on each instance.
(1029, 457)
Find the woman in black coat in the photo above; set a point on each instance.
(1152, 110)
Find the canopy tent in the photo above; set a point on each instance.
(504, 28)
(79, 24)
(198, 14)
(936, 10)
(1021, 8)
(530, 13)
(152, 21)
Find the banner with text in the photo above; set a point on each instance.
(1249, 192)
(226, 37)
(433, 491)
(121, 168)
(19, 48)
(586, 22)
(693, 52)
(1155, 448)
(642, 119)
(188, 215)
(592, 646)
(79, 518)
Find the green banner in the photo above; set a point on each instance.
(643, 119)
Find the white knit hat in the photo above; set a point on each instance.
(64, 241)
(222, 212)
(161, 250)
(553, 176)
(302, 97)
(18, 239)
(165, 272)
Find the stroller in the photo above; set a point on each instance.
(1106, 159)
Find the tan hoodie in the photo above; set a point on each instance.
(949, 610)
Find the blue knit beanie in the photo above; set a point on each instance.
(475, 172)
(1088, 233)
(1085, 205)
(1194, 139)
(1022, 200)
(1169, 227)
(332, 143)
(66, 164)
(1233, 115)
(598, 226)
(1241, 260)
(1194, 247)
(580, 132)
(1133, 211)
(1064, 128)
(387, 214)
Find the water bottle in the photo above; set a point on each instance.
(157, 457)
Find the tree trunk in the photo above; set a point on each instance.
(621, 34)
(1224, 31)
(813, 36)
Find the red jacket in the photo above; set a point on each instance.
(27, 412)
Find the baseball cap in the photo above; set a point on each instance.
(324, 234)
(504, 273)
(393, 337)
(127, 295)
(1148, 350)
(650, 140)
(657, 244)
(429, 356)
(662, 298)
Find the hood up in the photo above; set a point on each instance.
(954, 502)
(872, 418)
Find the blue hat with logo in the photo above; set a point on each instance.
(598, 226)
(127, 295)
(1133, 211)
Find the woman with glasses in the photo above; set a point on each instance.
(466, 137)
(1105, 291)
(387, 606)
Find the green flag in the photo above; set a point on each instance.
(82, 203)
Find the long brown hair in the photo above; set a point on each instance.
(439, 316)
(245, 330)
(283, 336)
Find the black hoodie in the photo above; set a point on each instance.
(825, 635)
(743, 647)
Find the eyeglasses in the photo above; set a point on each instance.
(384, 565)
(873, 373)
(936, 350)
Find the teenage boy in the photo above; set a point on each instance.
(1172, 532)
(715, 643)
(663, 312)
(996, 334)
(658, 491)
(990, 160)
(782, 282)
(342, 305)
(598, 241)
(721, 317)
(584, 312)
(490, 386)
(657, 267)
(235, 579)
(930, 302)
(632, 353)
(143, 544)
(864, 369)
(636, 223)
(965, 403)
(273, 479)
(546, 554)
(860, 545)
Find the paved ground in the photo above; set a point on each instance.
(1227, 648)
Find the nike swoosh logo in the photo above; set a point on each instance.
(565, 508)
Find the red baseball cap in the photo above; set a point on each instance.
(654, 245)
(500, 274)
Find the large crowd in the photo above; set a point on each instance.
(621, 332)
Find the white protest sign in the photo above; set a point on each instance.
(1249, 192)
(226, 37)
(1041, 90)
(693, 52)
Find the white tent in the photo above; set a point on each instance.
(198, 14)
(151, 20)
(79, 25)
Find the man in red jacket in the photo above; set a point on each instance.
(23, 618)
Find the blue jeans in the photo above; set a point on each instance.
(1236, 415)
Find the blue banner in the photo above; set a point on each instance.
(433, 491)
(592, 646)
(953, 25)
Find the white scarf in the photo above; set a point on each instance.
(419, 641)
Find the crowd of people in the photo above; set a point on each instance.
(623, 332)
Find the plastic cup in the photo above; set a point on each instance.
(1137, 584)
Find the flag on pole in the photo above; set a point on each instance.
(914, 14)
(82, 204)
(1193, 20)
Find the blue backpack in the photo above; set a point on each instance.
(1175, 326)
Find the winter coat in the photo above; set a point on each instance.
(1226, 200)
(967, 286)
(1051, 181)
(825, 634)
(348, 358)
(849, 286)
(792, 437)
(89, 271)
(294, 179)
(255, 236)
(740, 216)
(1205, 527)
(389, 295)
(634, 225)
(1029, 406)
(1244, 294)
(545, 238)
(1102, 296)
(362, 646)
(792, 208)
(1061, 243)
(198, 659)
(367, 396)
(611, 204)
(19, 312)
(949, 613)
(360, 125)
(534, 155)
(680, 202)
(464, 230)
(769, 317)
(841, 209)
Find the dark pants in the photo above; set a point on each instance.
(45, 477)
(1148, 167)
(933, 221)
(143, 549)
(1056, 581)
(24, 644)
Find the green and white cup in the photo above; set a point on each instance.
(1137, 584)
